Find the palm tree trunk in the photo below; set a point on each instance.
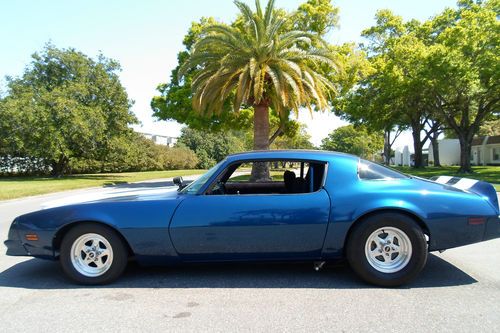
(260, 171)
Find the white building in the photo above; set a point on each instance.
(402, 156)
(163, 140)
(486, 150)
(449, 152)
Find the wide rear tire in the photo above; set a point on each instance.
(387, 249)
(93, 254)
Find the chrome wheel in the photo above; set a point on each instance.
(91, 255)
(388, 250)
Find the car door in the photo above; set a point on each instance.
(252, 226)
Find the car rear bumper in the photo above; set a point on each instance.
(492, 229)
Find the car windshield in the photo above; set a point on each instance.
(195, 186)
(373, 171)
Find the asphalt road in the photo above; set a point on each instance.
(458, 291)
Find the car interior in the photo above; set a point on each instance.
(287, 177)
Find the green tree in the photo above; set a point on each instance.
(300, 140)
(175, 99)
(65, 106)
(362, 100)
(490, 128)
(399, 57)
(318, 16)
(463, 69)
(396, 93)
(211, 147)
(354, 140)
(258, 65)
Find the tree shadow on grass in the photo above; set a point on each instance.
(39, 274)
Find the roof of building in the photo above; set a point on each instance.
(478, 141)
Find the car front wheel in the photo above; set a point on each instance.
(93, 254)
(387, 249)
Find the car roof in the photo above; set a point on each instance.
(299, 154)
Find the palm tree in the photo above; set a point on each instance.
(261, 64)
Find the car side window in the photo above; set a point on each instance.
(270, 177)
(373, 171)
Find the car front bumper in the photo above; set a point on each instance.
(14, 244)
(17, 245)
(15, 248)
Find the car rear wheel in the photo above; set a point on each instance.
(93, 254)
(387, 249)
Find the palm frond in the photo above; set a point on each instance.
(259, 62)
(248, 15)
(269, 12)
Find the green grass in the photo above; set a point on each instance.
(17, 187)
(277, 176)
(490, 174)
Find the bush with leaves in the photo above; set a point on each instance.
(354, 140)
(210, 147)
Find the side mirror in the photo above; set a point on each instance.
(178, 181)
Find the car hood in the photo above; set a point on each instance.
(116, 195)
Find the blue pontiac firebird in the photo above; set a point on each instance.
(316, 206)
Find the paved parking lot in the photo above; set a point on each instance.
(458, 291)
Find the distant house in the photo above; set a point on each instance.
(486, 150)
(163, 140)
(403, 156)
(449, 152)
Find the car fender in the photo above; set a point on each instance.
(143, 225)
(344, 216)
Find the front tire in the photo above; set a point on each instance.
(93, 254)
(387, 249)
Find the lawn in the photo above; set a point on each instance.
(17, 187)
(275, 175)
(490, 174)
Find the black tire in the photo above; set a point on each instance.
(358, 258)
(119, 254)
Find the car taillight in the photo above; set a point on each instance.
(477, 220)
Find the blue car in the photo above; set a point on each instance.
(292, 205)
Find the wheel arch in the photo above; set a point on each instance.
(407, 213)
(62, 231)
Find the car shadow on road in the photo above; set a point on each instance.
(40, 274)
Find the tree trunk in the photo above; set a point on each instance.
(465, 152)
(417, 146)
(58, 167)
(387, 147)
(435, 150)
(260, 171)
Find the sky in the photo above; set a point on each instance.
(145, 37)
